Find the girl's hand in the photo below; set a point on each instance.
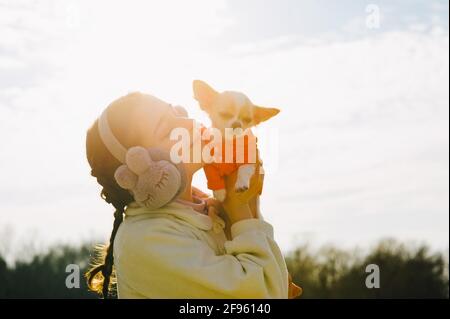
(198, 193)
(236, 204)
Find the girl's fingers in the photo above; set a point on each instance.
(198, 193)
(256, 184)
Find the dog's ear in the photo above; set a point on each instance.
(262, 114)
(204, 94)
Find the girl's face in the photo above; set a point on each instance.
(164, 119)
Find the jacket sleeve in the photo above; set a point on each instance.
(168, 262)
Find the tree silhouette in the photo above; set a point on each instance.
(45, 275)
(405, 272)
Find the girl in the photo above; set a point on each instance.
(184, 248)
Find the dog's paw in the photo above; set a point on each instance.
(245, 173)
(220, 194)
(241, 189)
(242, 185)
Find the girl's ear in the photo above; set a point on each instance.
(262, 114)
(204, 94)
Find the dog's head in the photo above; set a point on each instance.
(230, 109)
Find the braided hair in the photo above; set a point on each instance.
(101, 276)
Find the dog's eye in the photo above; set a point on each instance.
(226, 115)
(246, 120)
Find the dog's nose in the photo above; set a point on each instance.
(236, 124)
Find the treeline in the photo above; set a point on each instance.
(405, 272)
(44, 276)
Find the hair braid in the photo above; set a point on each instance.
(109, 258)
(101, 275)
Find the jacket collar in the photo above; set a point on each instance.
(176, 209)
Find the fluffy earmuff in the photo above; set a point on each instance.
(150, 176)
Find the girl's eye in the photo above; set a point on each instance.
(226, 115)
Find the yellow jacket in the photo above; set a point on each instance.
(176, 252)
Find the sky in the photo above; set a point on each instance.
(359, 152)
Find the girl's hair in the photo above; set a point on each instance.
(101, 276)
(103, 165)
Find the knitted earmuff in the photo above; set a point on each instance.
(148, 174)
(153, 181)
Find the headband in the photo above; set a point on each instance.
(148, 174)
(108, 138)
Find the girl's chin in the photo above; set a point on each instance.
(193, 167)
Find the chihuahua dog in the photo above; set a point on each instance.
(233, 110)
